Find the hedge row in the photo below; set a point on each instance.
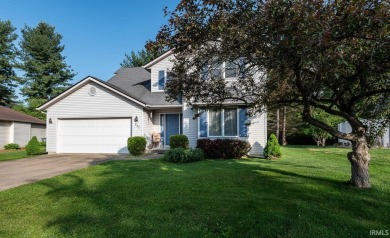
(224, 148)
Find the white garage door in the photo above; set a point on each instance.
(93, 135)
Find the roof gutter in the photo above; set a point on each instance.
(163, 106)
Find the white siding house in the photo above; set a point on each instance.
(134, 99)
(19, 128)
(88, 115)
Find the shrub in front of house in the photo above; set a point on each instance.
(272, 148)
(224, 148)
(207, 146)
(11, 146)
(178, 141)
(197, 154)
(33, 147)
(181, 155)
(136, 145)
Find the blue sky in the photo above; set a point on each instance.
(96, 34)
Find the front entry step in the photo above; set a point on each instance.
(158, 151)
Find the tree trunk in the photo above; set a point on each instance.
(277, 124)
(359, 159)
(317, 140)
(323, 141)
(284, 142)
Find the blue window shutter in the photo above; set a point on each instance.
(242, 119)
(161, 79)
(203, 124)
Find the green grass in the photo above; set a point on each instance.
(12, 155)
(304, 194)
(16, 154)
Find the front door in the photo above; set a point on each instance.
(172, 126)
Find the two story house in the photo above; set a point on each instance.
(96, 116)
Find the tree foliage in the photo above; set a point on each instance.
(326, 55)
(46, 72)
(7, 61)
(150, 52)
(30, 108)
(137, 59)
(319, 135)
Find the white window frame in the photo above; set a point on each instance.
(166, 72)
(222, 124)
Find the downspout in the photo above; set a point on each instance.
(142, 123)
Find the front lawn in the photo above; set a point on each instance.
(16, 154)
(302, 195)
(12, 155)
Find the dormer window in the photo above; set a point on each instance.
(163, 78)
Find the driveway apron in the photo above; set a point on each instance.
(23, 171)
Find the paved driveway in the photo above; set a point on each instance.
(17, 172)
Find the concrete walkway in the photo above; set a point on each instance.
(14, 173)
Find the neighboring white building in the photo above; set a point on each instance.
(383, 141)
(19, 128)
(96, 116)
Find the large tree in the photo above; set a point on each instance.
(46, 72)
(325, 55)
(7, 61)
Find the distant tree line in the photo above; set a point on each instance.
(287, 125)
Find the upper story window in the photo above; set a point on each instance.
(163, 77)
(226, 70)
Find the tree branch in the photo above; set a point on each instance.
(307, 117)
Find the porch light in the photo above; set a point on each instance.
(50, 121)
(136, 119)
(247, 122)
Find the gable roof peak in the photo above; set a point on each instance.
(158, 59)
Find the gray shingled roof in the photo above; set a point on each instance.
(136, 83)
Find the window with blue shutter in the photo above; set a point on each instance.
(161, 79)
(203, 124)
(243, 117)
